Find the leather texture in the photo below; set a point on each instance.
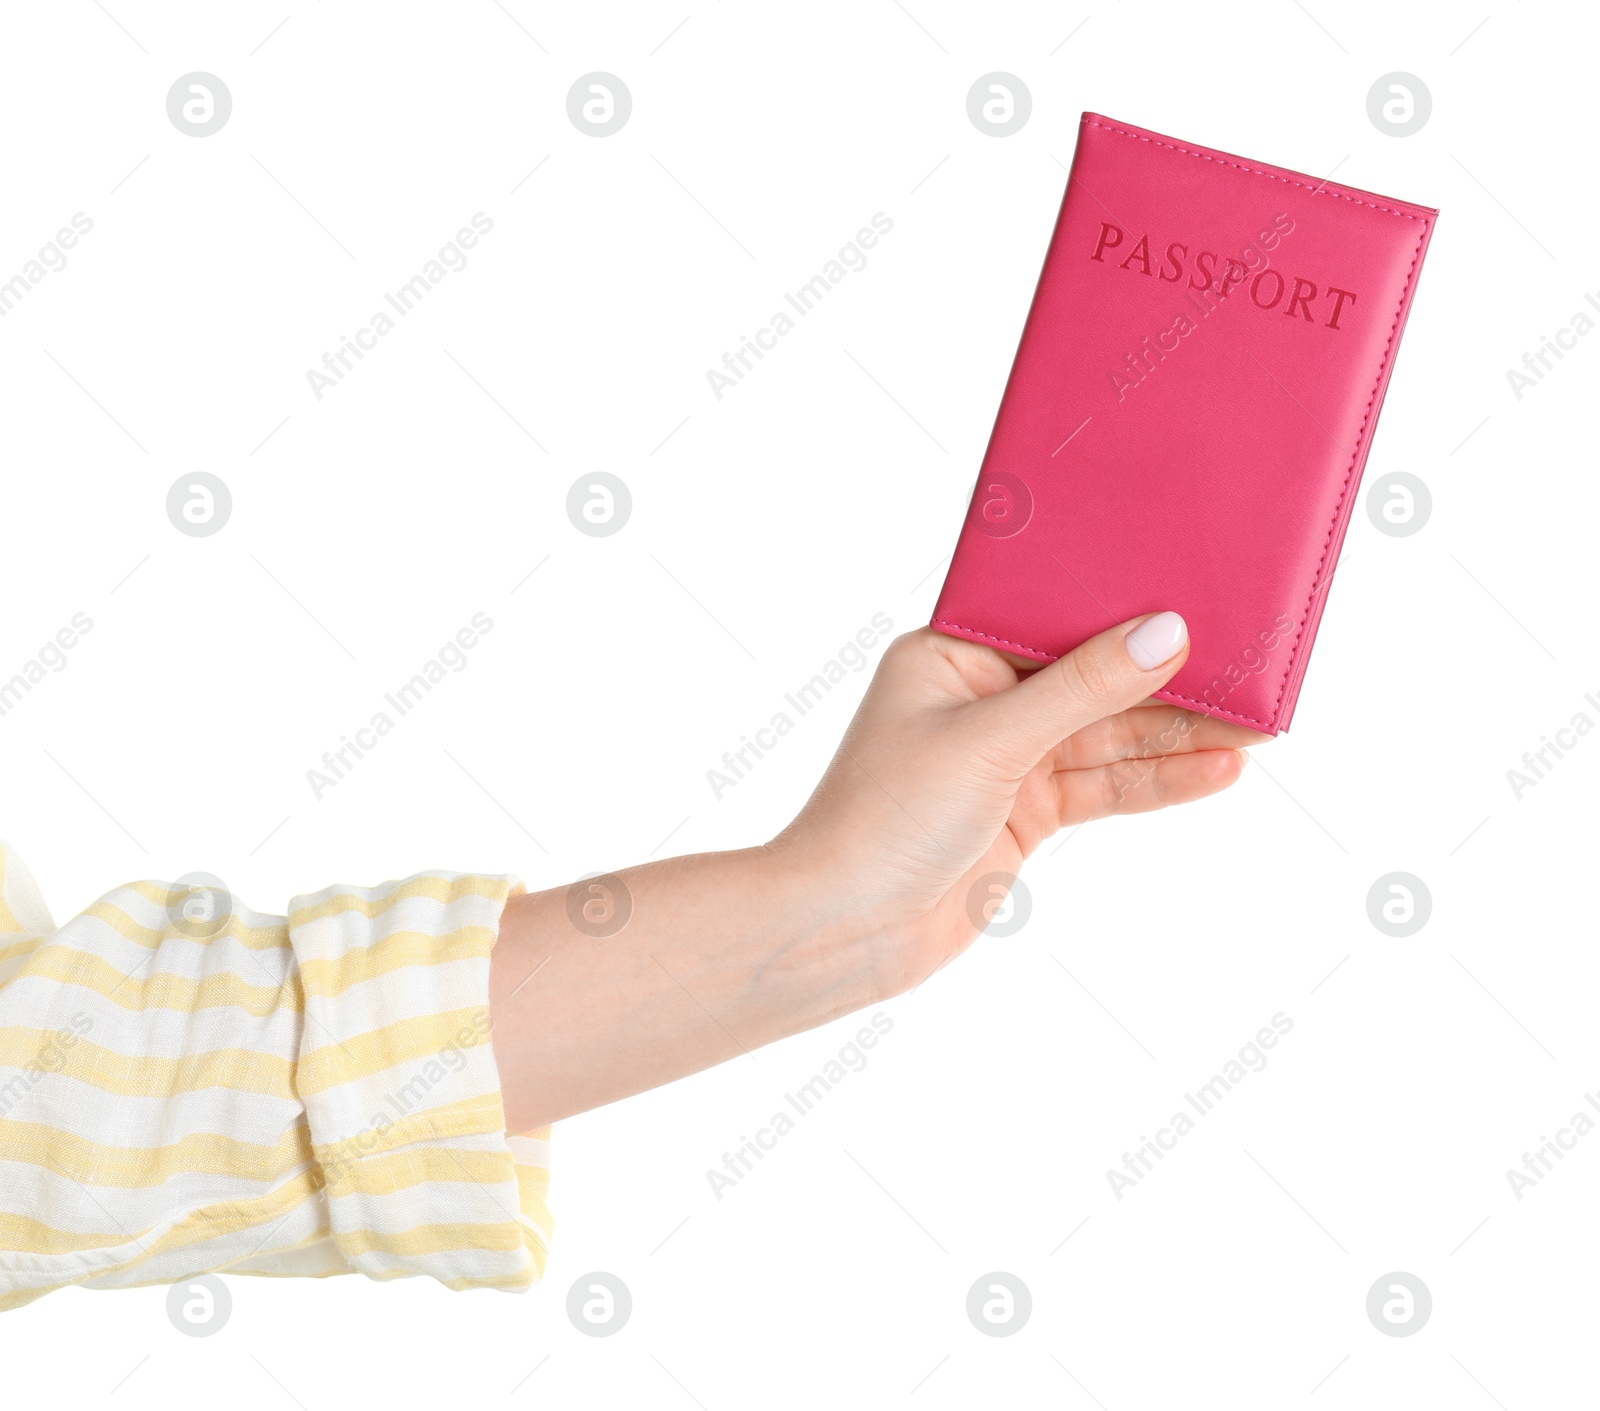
(1188, 416)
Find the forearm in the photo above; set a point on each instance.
(951, 773)
(721, 953)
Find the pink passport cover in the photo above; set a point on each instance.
(1188, 415)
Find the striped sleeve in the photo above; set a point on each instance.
(306, 1095)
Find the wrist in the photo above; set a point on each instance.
(840, 921)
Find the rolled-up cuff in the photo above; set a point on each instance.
(402, 1094)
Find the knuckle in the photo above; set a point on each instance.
(1127, 741)
(908, 650)
(918, 640)
(1110, 800)
(1087, 678)
(1129, 781)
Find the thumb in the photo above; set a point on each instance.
(1107, 674)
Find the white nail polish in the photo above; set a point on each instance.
(1158, 640)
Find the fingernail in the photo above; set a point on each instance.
(1244, 757)
(1158, 640)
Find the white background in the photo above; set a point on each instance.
(370, 525)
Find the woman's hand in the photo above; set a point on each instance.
(958, 765)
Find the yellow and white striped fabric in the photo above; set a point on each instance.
(251, 1094)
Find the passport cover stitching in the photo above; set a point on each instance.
(1321, 189)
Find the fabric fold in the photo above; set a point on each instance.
(307, 1095)
(400, 1086)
